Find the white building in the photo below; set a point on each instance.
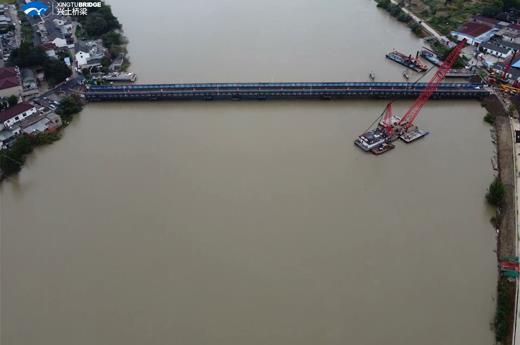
(494, 49)
(16, 114)
(474, 33)
(82, 59)
(60, 42)
(87, 60)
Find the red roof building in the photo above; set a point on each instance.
(16, 113)
(474, 29)
(10, 82)
(474, 33)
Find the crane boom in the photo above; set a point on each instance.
(408, 119)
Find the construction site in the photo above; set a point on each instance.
(390, 127)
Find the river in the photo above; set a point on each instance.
(252, 222)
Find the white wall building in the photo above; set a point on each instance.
(474, 33)
(16, 114)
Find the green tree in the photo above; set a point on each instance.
(496, 193)
(489, 118)
(12, 159)
(27, 56)
(105, 62)
(12, 100)
(56, 71)
(111, 39)
(9, 165)
(96, 25)
(493, 9)
(69, 106)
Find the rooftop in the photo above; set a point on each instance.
(510, 45)
(48, 46)
(15, 110)
(513, 33)
(6, 72)
(474, 29)
(495, 47)
(9, 78)
(27, 73)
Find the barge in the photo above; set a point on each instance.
(408, 61)
(379, 141)
(413, 134)
(119, 77)
(431, 57)
(461, 73)
(371, 139)
(385, 147)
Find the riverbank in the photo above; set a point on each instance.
(505, 218)
(13, 158)
(100, 43)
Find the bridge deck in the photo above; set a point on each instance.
(327, 90)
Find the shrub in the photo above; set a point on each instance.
(69, 106)
(489, 119)
(496, 193)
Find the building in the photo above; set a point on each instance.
(82, 59)
(28, 79)
(7, 137)
(15, 114)
(65, 28)
(510, 34)
(4, 22)
(494, 49)
(60, 42)
(10, 82)
(50, 49)
(513, 73)
(29, 83)
(512, 46)
(475, 33)
(40, 124)
(86, 60)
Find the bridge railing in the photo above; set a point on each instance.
(337, 85)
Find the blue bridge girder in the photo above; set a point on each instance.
(324, 90)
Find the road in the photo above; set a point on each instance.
(424, 25)
(515, 126)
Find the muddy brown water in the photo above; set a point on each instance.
(252, 222)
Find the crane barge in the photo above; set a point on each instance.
(393, 127)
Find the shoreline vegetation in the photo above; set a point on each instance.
(444, 17)
(397, 12)
(500, 195)
(13, 158)
(99, 24)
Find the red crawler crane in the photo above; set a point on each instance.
(391, 127)
(411, 114)
(409, 117)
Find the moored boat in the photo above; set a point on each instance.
(413, 63)
(385, 147)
